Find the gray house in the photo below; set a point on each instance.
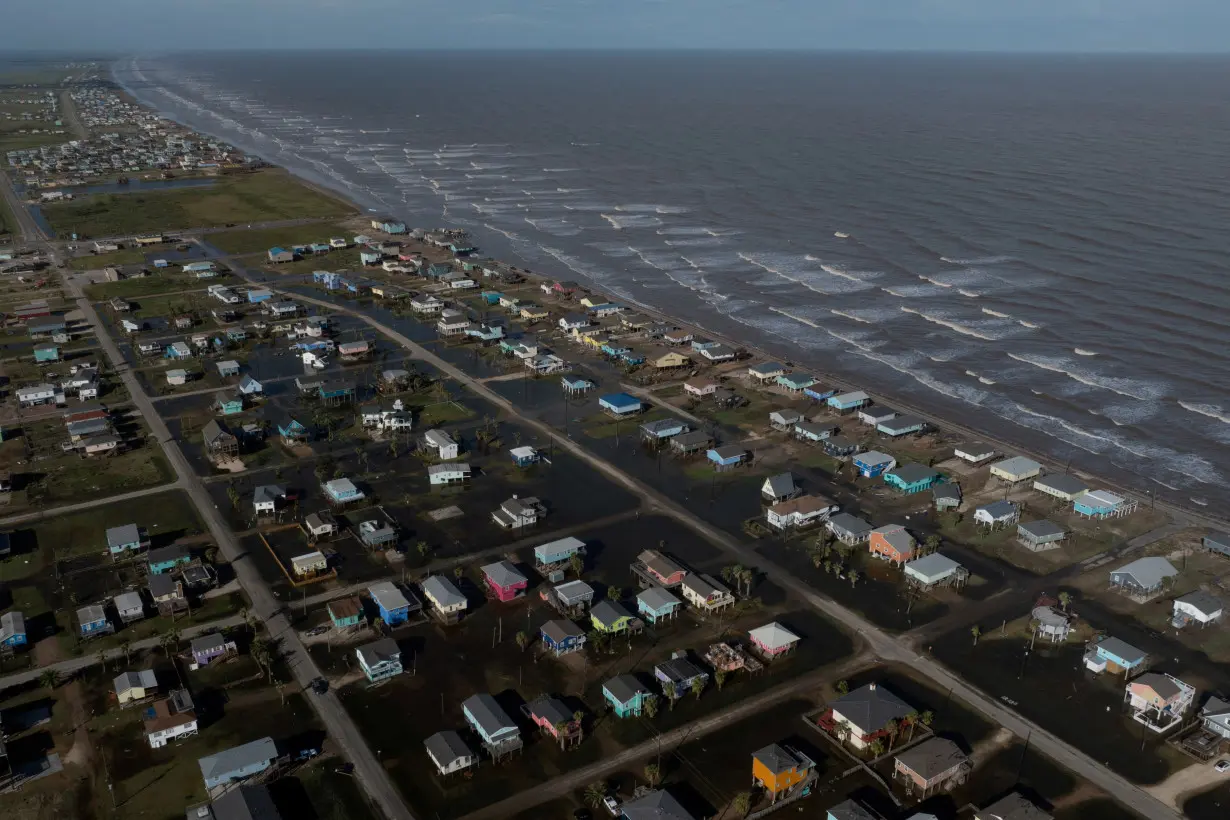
(1143, 578)
(1040, 535)
(1215, 715)
(1217, 542)
(849, 529)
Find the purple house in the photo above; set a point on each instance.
(209, 648)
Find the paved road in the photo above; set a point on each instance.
(26, 225)
(578, 779)
(26, 518)
(882, 644)
(265, 606)
(85, 661)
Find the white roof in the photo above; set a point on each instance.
(387, 596)
(873, 457)
(523, 452)
(1017, 465)
(1101, 498)
(773, 636)
(932, 567)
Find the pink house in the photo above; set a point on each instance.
(504, 581)
(553, 718)
(773, 640)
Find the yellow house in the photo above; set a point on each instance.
(672, 359)
(593, 301)
(134, 686)
(533, 312)
(596, 342)
(310, 563)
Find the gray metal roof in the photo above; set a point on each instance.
(123, 535)
(655, 598)
(243, 803)
(1012, 807)
(999, 509)
(849, 810)
(443, 591)
(913, 472)
(1041, 529)
(1121, 649)
(143, 679)
(378, 652)
(126, 601)
(849, 523)
(871, 707)
(504, 574)
(488, 714)
(447, 747)
(1017, 465)
(1062, 483)
(936, 565)
(656, 805)
(1161, 684)
(776, 758)
(561, 630)
(1203, 601)
(948, 489)
(932, 757)
(780, 484)
(173, 552)
(608, 612)
(624, 687)
(239, 757)
(1147, 572)
(90, 614)
(387, 595)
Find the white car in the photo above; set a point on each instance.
(1222, 766)
(612, 805)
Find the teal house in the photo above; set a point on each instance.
(913, 478)
(166, 559)
(292, 431)
(227, 403)
(47, 353)
(657, 605)
(626, 695)
(345, 612)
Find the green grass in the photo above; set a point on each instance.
(250, 197)
(342, 259)
(69, 479)
(262, 239)
(149, 285)
(124, 256)
(14, 142)
(444, 413)
(84, 533)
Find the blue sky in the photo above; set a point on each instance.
(947, 25)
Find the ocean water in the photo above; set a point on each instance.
(1036, 247)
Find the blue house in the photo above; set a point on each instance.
(795, 382)
(249, 386)
(320, 247)
(491, 722)
(166, 559)
(342, 491)
(12, 629)
(336, 392)
(276, 254)
(1100, 504)
(258, 295)
(391, 226)
(574, 385)
(873, 463)
(730, 455)
(562, 637)
(93, 621)
(292, 431)
(438, 270)
(227, 403)
(656, 604)
(849, 401)
(47, 353)
(619, 404)
(912, 478)
(393, 605)
(524, 456)
(177, 350)
(461, 247)
(627, 695)
(238, 763)
(819, 393)
(1115, 654)
(329, 279)
(557, 552)
(371, 256)
(492, 297)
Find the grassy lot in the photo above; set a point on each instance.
(164, 516)
(70, 478)
(262, 239)
(148, 285)
(251, 197)
(345, 259)
(97, 261)
(14, 142)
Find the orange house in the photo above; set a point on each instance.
(779, 769)
(891, 543)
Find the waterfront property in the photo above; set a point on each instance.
(706, 594)
(662, 429)
(445, 474)
(875, 415)
(380, 660)
(562, 637)
(727, 457)
(342, 491)
(611, 618)
(1198, 607)
(840, 447)
(1158, 701)
(912, 478)
(780, 770)
(849, 529)
(997, 514)
(626, 695)
(873, 463)
(813, 432)
(901, 426)
(891, 543)
(569, 597)
(1016, 469)
(1051, 624)
(1061, 486)
(935, 765)
(693, 442)
(864, 713)
(517, 513)
(678, 675)
(1115, 656)
(652, 567)
(238, 763)
(620, 404)
(449, 752)
(795, 382)
(1102, 504)
(1218, 542)
(846, 402)
(504, 581)
(975, 452)
(766, 371)
(441, 445)
(1143, 578)
(554, 719)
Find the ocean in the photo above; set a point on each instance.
(1032, 246)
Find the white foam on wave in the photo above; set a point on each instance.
(797, 269)
(995, 313)
(1132, 388)
(1080, 351)
(982, 379)
(984, 333)
(1212, 411)
(969, 293)
(622, 222)
(1030, 325)
(980, 260)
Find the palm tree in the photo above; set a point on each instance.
(698, 687)
(653, 774)
(1065, 598)
(671, 691)
(523, 640)
(911, 720)
(262, 653)
(926, 718)
(891, 729)
(742, 803)
(842, 730)
(842, 687)
(459, 572)
(828, 567)
(976, 632)
(853, 576)
(614, 593)
(101, 658)
(595, 793)
(126, 648)
(719, 678)
(876, 747)
(650, 707)
(577, 564)
(747, 576)
(597, 639)
(49, 679)
(423, 547)
(932, 543)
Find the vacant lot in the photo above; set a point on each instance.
(262, 239)
(253, 197)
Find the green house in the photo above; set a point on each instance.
(611, 618)
(227, 403)
(913, 478)
(345, 612)
(626, 695)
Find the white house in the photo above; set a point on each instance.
(426, 305)
(975, 452)
(799, 512)
(37, 394)
(449, 752)
(518, 512)
(933, 570)
(448, 473)
(442, 444)
(267, 497)
(444, 596)
(1016, 469)
(169, 719)
(864, 712)
(997, 514)
(1197, 607)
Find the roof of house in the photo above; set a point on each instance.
(912, 473)
(656, 598)
(662, 425)
(378, 652)
(504, 574)
(776, 758)
(932, 757)
(849, 523)
(123, 535)
(1012, 807)
(443, 591)
(144, 679)
(1162, 684)
(780, 484)
(1041, 528)
(619, 400)
(694, 438)
(347, 607)
(1121, 649)
(487, 713)
(1017, 465)
(239, 757)
(608, 612)
(446, 469)
(896, 537)
(659, 563)
(1205, 602)
(872, 458)
(703, 586)
(871, 707)
(933, 566)
(447, 747)
(205, 643)
(561, 630)
(1215, 707)
(849, 810)
(243, 803)
(624, 687)
(656, 805)
(574, 589)
(340, 486)
(976, 448)
(439, 438)
(1100, 498)
(562, 545)
(678, 669)
(998, 509)
(161, 585)
(551, 708)
(773, 636)
(903, 423)
(1062, 483)
(171, 552)
(729, 451)
(387, 596)
(268, 493)
(1148, 572)
(126, 601)
(767, 368)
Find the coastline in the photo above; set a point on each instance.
(1187, 510)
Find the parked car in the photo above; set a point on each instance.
(1222, 766)
(612, 805)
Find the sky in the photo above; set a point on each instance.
(1183, 26)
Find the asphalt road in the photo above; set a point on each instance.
(884, 645)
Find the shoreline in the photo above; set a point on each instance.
(1189, 512)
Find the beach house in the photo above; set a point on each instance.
(934, 570)
(800, 511)
(167, 559)
(393, 605)
(1041, 535)
(504, 581)
(1061, 486)
(12, 629)
(873, 463)
(440, 445)
(975, 452)
(1102, 504)
(865, 712)
(1158, 701)
(706, 594)
(498, 731)
(555, 554)
(447, 602)
(170, 719)
(611, 618)
(345, 613)
(846, 402)
(656, 604)
(620, 404)
(779, 488)
(1143, 578)
(626, 695)
(780, 770)
(654, 568)
(1115, 656)
(135, 686)
(238, 763)
(342, 491)
(849, 529)
(766, 371)
(772, 640)
(379, 660)
(209, 648)
(935, 765)
(562, 637)
(911, 477)
(997, 514)
(1016, 469)
(662, 429)
(449, 752)
(125, 539)
(891, 543)
(1198, 607)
